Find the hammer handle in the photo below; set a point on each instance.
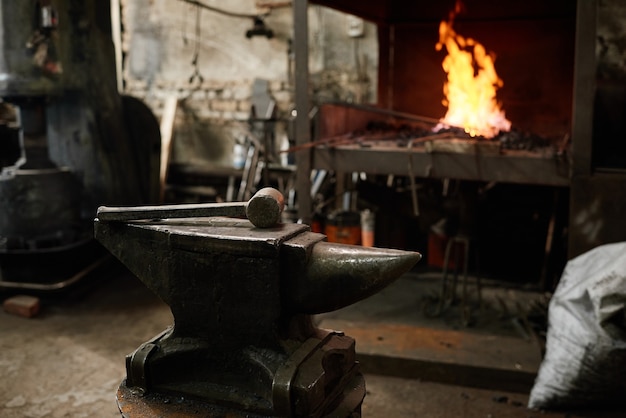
(134, 213)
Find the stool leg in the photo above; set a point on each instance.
(443, 293)
(466, 312)
(479, 287)
(455, 278)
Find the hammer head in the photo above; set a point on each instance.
(264, 209)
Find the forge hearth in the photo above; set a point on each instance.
(410, 134)
(562, 66)
(532, 46)
(371, 140)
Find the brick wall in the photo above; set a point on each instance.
(159, 43)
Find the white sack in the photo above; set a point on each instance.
(585, 358)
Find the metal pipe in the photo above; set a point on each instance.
(59, 285)
(302, 104)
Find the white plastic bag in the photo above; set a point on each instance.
(585, 359)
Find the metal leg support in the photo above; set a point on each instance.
(447, 294)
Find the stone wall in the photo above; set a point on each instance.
(162, 39)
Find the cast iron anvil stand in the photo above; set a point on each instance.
(242, 296)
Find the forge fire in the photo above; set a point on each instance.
(472, 83)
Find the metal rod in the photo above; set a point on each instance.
(394, 113)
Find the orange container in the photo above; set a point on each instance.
(343, 227)
(437, 249)
(368, 222)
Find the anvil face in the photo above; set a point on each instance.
(240, 297)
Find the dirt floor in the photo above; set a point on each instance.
(69, 360)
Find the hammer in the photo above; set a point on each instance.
(264, 210)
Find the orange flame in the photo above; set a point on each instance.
(472, 84)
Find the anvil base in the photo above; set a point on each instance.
(135, 405)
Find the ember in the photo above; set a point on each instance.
(402, 133)
(472, 83)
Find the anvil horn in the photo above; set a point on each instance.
(338, 275)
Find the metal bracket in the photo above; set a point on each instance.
(136, 373)
(283, 378)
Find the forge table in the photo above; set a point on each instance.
(388, 158)
(346, 144)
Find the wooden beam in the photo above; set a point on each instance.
(167, 130)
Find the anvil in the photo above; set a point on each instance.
(243, 342)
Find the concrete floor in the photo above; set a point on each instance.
(69, 360)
